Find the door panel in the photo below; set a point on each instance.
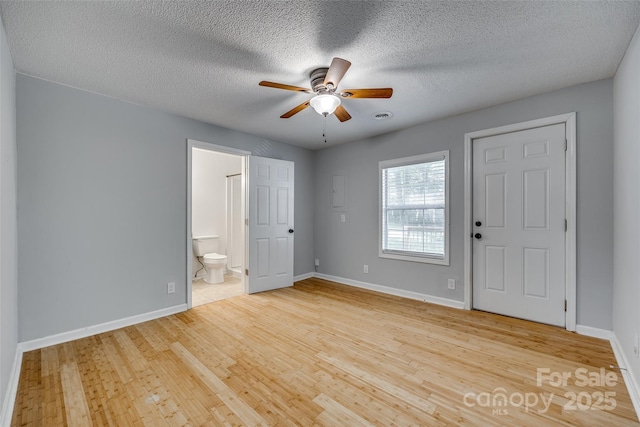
(271, 190)
(535, 190)
(496, 200)
(283, 206)
(495, 268)
(536, 272)
(282, 255)
(262, 206)
(519, 201)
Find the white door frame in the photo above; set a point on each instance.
(192, 143)
(569, 119)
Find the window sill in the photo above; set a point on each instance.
(424, 260)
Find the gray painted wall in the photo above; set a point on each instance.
(343, 248)
(8, 248)
(102, 197)
(626, 291)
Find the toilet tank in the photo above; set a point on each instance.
(205, 245)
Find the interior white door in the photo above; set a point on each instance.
(519, 224)
(270, 224)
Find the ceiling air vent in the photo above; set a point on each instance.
(384, 115)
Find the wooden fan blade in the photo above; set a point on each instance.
(285, 87)
(383, 92)
(295, 110)
(342, 114)
(336, 71)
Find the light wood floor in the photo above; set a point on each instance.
(320, 354)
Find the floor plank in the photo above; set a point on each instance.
(322, 354)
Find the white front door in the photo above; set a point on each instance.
(270, 224)
(519, 224)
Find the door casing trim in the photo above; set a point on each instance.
(569, 119)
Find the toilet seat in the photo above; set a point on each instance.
(214, 257)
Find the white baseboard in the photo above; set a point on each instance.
(594, 332)
(98, 329)
(394, 291)
(629, 378)
(12, 390)
(304, 276)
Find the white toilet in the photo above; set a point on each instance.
(205, 248)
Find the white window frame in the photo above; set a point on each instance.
(405, 161)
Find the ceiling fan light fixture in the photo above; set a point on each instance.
(325, 104)
(324, 84)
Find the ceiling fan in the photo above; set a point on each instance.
(324, 83)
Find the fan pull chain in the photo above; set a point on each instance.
(324, 129)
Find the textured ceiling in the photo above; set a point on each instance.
(204, 59)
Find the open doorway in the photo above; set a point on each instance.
(216, 212)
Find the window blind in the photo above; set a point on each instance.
(413, 209)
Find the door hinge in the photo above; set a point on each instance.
(565, 144)
(246, 221)
(565, 305)
(246, 271)
(566, 225)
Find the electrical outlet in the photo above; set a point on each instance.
(451, 283)
(343, 218)
(366, 268)
(171, 287)
(636, 348)
(317, 264)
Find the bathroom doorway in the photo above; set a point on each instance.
(216, 208)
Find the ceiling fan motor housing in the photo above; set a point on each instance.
(317, 77)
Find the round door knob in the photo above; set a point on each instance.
(291, 230)
(478, 236)
(478, 223)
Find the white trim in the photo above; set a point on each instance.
(571, 214)
(569, 119)
(191, 144)
(189, 243)
(219, 148)
(12, 389)
(468, 203)
(393, 291)
(309, 275)
(627, 374)
(98, 329)
(594, 332)
(629, 378)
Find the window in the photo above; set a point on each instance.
(414, 208)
